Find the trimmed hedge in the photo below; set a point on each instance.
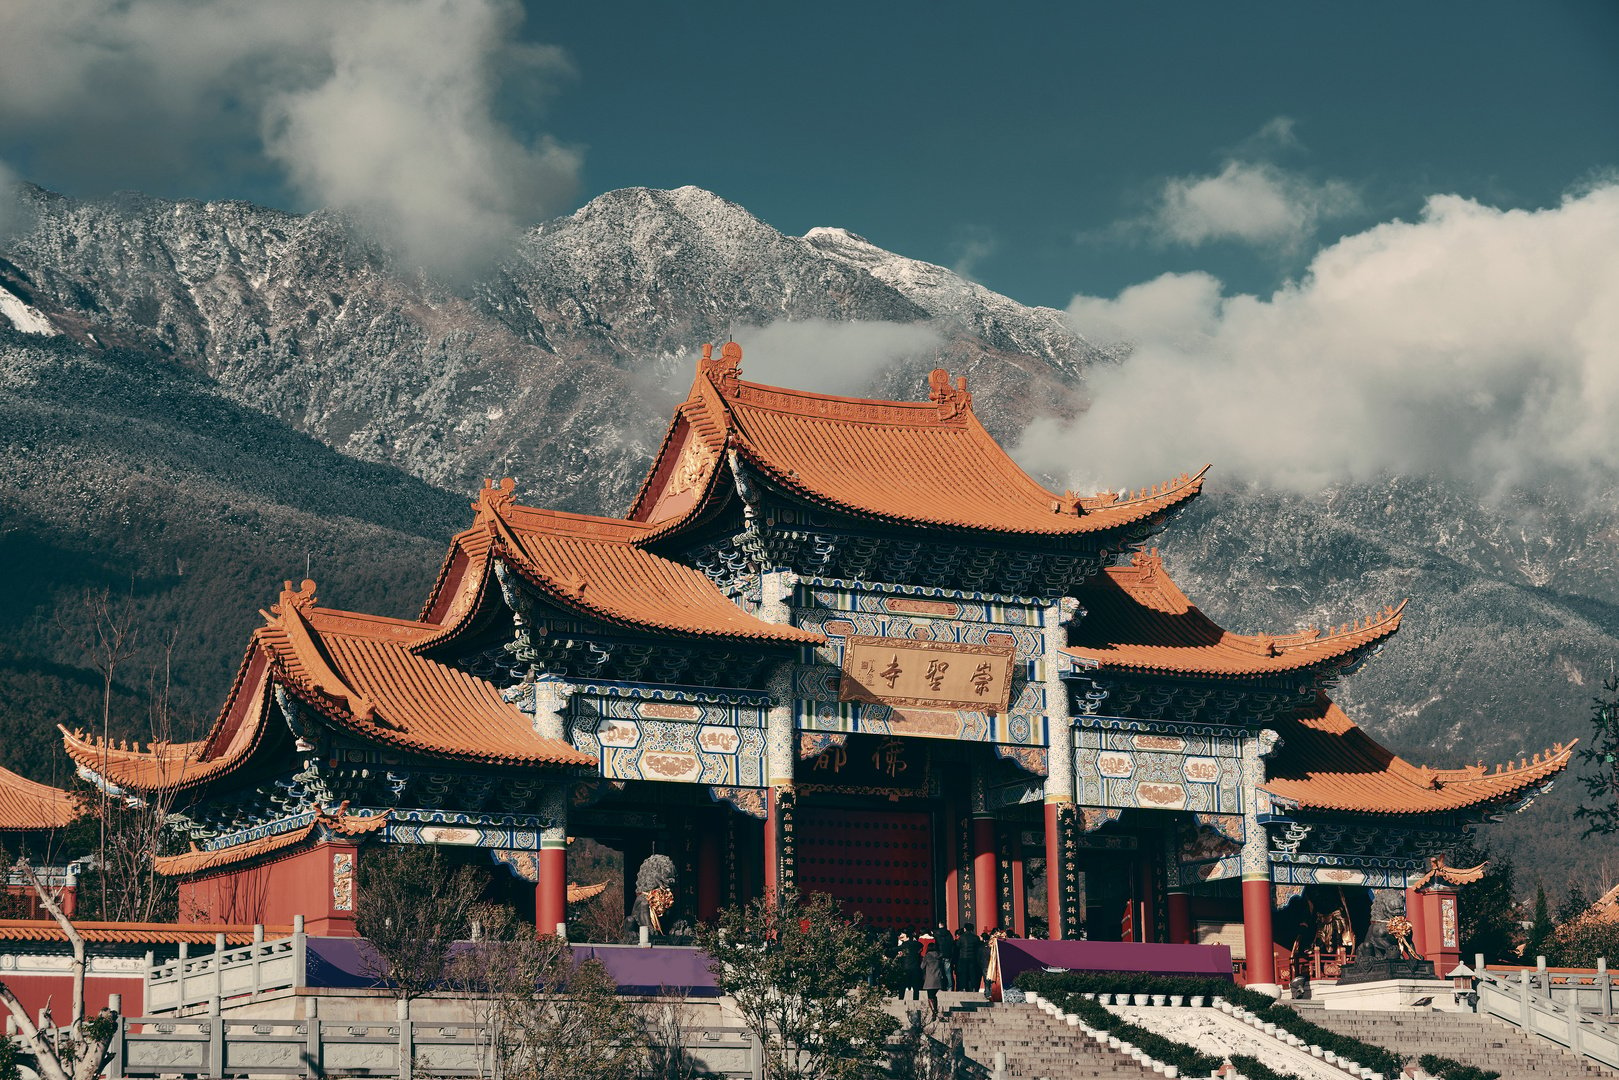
(1450, 1069)
(1189, 1061)
(1361, 1053)
(1052, 983)
(1254, 1069)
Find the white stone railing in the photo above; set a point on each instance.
(1590, 990)
(211, 1046)
(1524, 1005)
(245, 971)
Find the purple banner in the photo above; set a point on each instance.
(1025, 954)
(352, 963)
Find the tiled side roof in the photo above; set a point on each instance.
(1439, 870)
(339, 824)
(928, 463)
(361, 673)
(135, 933)
(358, 671)
(1137, 619)
(1326, 762)
(27, 806)
(594, 566)
(238, 733)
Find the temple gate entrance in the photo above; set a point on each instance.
(878, 862)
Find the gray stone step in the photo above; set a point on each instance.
(1480, 1041)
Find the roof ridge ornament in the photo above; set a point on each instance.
(291, 616)
(302, 599)
(953, 401)
(726, 372)
(497, 497)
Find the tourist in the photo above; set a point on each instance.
(932, 980)
(945, 946)
(910, 962)
(969, 961)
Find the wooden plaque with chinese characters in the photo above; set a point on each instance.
(927, 674)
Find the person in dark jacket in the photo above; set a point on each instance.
(945, 945)
(933, 980)
(910, 961)
(969, 960)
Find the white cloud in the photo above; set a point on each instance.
(830, 357)
(1474, 342)
(1249, 202)
(384, 108)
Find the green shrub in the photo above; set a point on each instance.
(1053, 983)
(1450, 1069)
(1189, 1061)
(1361, 1053)
(1061, 985)
(1254, 1069)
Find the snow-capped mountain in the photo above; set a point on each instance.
(232, 393)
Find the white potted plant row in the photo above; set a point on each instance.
(1331, 1058)
(1112, 1042)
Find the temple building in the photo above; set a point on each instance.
(33, 817)
(834, 644)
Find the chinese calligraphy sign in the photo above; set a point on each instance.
(927, 674)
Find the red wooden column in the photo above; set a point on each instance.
(710, 872)
(952, 863)
(551, 894)
(772, 827)
(986, 901)
(1055, 872)
(551, 698)
(1256, 930)
(1180, 917)
(1020, 926)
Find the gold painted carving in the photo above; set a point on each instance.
(692, 469)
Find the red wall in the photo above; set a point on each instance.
(310, 883)
(35, 990)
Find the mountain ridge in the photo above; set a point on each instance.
(560, 367)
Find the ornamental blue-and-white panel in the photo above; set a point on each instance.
(1376, 877)
(514, 831)
(695, 741)
(1158, 766)
(842, 610)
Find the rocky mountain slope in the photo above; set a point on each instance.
(233, 388)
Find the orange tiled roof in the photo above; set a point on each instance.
(1326, 762)
(361, 672)
(238, 732)
(1439, 870)
(927, 463)
(135, 933)
(338, 824)
(1137, 619)
(591, 565)
(27, 806)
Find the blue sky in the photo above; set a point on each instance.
(1023, 134)
(1040, 147)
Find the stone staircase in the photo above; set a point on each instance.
(1035, 1045)
(1466, 1037)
